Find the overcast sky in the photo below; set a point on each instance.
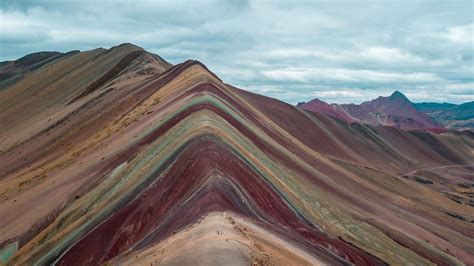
(338, 51)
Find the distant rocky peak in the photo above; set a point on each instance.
(396, 95)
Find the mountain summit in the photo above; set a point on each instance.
(395, 110)
(115, 156)
(399, 95)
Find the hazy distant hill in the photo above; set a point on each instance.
(451, 115)
(395, 110)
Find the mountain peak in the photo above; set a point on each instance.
(318, 106)
(316, 100)
(394, 110)
(130, 46)
(398, 95)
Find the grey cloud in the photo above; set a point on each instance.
(334, 50)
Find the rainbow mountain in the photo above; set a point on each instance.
(115, 156)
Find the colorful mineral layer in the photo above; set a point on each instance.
(115, 156)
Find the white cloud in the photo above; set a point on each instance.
(390, 55)
(307, 75)
(461, 34)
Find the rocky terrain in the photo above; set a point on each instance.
(115, 156)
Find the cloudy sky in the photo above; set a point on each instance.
(338, 51)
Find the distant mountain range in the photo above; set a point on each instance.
(450, 115)
(398, 111)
